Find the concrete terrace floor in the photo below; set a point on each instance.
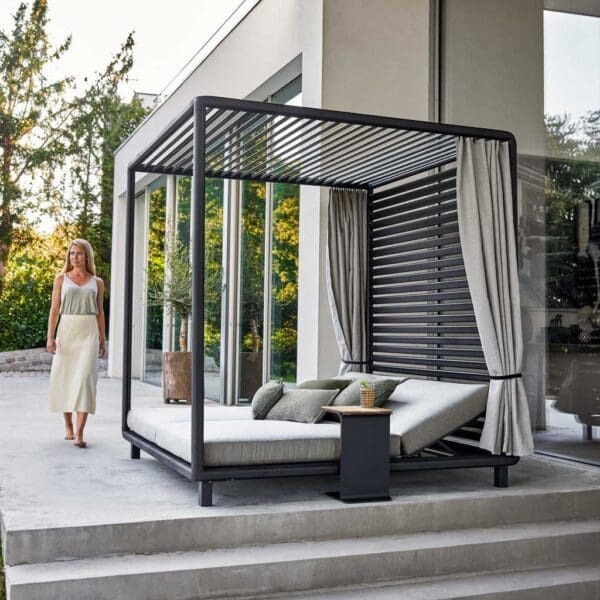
(47, 482)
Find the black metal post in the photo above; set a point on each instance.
(369, 299)
(205, 493)
(512, 156)
(198, 200)
(135, 452)
(501, 476)
(128, 298)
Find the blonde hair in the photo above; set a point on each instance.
(90, 265)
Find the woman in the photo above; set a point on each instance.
(77, 297)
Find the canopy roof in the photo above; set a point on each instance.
(241, 139)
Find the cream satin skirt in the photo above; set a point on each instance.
(74, 372)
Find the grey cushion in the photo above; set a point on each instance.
(258, 442)
(324, 384)
(255, 442)
(265, 398)
(424, 411)
(350, 396)
(355, 375)
(301, 405)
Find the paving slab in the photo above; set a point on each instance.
(47, 482)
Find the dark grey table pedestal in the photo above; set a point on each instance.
(365, 454)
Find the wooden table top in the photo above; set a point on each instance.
(356, 410)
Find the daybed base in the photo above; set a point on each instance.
(466, 456)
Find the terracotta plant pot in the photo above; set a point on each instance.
(177, 376)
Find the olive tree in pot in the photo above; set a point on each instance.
(176, 296)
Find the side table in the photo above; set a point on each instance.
(365, 453)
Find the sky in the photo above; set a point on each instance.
(167, 34)
(571, 63)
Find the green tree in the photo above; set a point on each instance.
(100, 122)
(33, 112)
(572, 177)
(25, 300)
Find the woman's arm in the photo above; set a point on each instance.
(54, 312)
(100, 319)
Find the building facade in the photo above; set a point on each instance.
(504, 65)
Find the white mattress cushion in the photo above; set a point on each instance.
(255, 442)
(242, 441)
(145, 420)
(227, 413)
(423, 411)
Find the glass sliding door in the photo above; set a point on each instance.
(251, 273)
(155, 273)
(562, 226)
(213, 274)
(284, 282)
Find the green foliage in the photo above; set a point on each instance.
(252, 263)
(56, 157)
(572, 176)
(155, 269)
(176, 292)
(33, 113)
(286, 214)
(99, 123)
(25, 300)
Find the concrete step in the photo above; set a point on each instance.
(557, 583)
(216, 527)
(304, 566)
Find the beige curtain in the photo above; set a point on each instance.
(486, 225)
(346, 271)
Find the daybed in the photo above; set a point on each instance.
(406, 199)
(423, 412)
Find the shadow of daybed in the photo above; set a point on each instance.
(423, 315)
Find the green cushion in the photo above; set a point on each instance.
(265, 398)
(350, 396)
(302, 406)
(324, 384)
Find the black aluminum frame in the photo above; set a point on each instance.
(182, 148)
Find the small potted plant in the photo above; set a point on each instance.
(367, 394)
(176, 295)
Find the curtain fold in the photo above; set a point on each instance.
(346, 273)
(486, 226)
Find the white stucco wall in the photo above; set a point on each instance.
(376, 57)
(360, 56)
(493, 68)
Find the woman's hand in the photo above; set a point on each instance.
(102, 350)
(51, 346)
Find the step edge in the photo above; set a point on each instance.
(70, 541)
(317, 553)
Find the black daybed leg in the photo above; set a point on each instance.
(205, 493)
(501, 477)
(135, 451)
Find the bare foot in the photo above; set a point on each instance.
(69, 435)
(80, 443)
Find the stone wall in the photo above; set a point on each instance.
(33, 361)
